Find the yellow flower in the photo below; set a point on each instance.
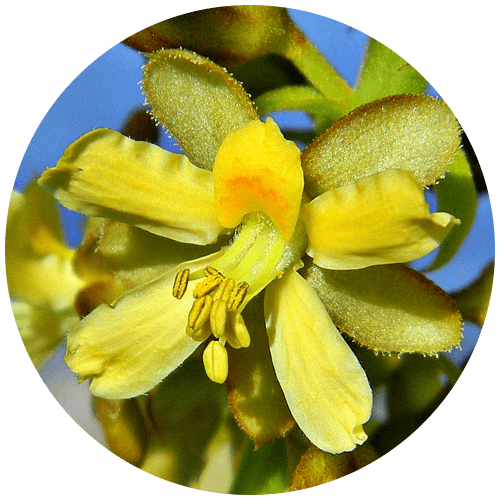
(365, 217)
(47, 289)
(40, 275)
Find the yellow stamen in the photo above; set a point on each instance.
(200, 312)
(180, 283)
(199, 335)
(224, 290)
(218, 317)
(210, 271)
(237, 296)
(208, 285)
(216, 362)
(237, 334)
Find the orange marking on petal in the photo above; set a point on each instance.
(258, 170)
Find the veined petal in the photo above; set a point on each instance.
(380, 219)
(257, 169)
(129, 347)
(105, 174)
(324, 384)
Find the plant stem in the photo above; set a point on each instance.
(313, 65)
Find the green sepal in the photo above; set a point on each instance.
(410, 132)
(389, 308)
(197, 101)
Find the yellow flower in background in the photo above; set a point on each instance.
(48, 285)
(240, 173)
(42, 282)
(38, 261)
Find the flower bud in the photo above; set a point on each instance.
(230, 36)
(123, 427)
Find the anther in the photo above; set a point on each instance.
(199, 335)
(218, 317)
(237, 334)
(200, 312)
(208, 285)
(238, 296)
(210, 271)
(180, 283)
(224, 289)
(215, 362)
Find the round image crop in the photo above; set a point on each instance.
(256, 253)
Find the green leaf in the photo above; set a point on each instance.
(384, 73)
(456, 195)
(389, 308)
(263, 471)
(473, 301)
(197, 101)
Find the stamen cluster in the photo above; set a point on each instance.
(215, 312)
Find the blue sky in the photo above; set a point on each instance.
(105, 92)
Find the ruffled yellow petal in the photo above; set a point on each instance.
(325, 387)
(257, 170)
(380, 219)
(129, 347)
(105, 174)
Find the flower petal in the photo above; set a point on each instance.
(325, 387)
(410, 132)
(197, 101)
(380, 219)
(128, 348)
(257, 169)
(105, 174)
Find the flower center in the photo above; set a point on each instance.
(258, 255)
